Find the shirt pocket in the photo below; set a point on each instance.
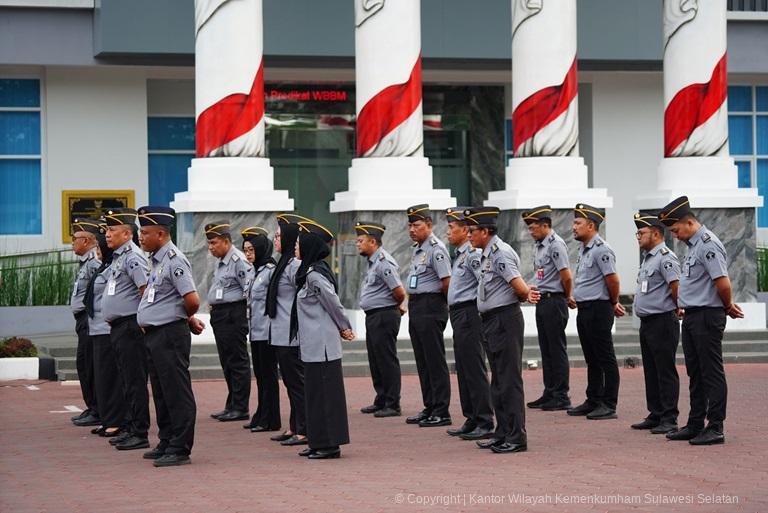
(420, 269)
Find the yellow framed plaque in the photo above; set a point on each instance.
(90, 203)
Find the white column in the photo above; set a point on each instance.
(230, 170)
(546, 167)
(390, 171)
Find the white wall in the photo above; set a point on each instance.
(627, 138)
(94, 137)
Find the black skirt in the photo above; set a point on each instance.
(327, 424)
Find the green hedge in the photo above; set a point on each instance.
(38, 279)
(762, 269)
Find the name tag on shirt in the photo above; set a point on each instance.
(74, 290)
(151, 295)
(540, 273)
(644, 286)
(413, 281)
(219, 293)
(111, 287)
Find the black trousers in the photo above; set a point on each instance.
(108, 382)
(381, 328)
(551, 320)
(84, 362)
(594, 322)
(230, 329)
(703, 347)
(133, 362)
(169, 347)
(503, 330)
(659, 338)
(292, 372)
(327, 424)
(265, 370)
(471, 373)
(427, 320)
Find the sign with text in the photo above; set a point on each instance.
(90, 203)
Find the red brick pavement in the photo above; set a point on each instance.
(47, 465)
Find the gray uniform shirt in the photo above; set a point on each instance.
(381, 278)
(596, 261)
(658, 269)
(127, 274)
(280, 326)
(465, 275)
(96, 324)
(550, 257)
(321, 317)
(231, 278)
(429, 265)
(705, 262)
(258, 320)
(499, 265)
(170, 279)
(89, 263)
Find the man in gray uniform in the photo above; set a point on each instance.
(127, 278)
(705, 296)
(471, 373)
(427, 287)
(499, 292)
(84, 245)
(656, 306)
(229, 318)
(552, 278)
(166, 315)
(596, 294)
(381, 298)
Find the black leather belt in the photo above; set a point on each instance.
(223, 306)
(150, 329)
(493, 312)
(382, 309)
(121, 320)
(547, 295)
(463, 304)
(416, 297)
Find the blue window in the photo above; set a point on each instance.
(20, 157)
(740, 99)
(762, 99)
(740, 134)
(762, 135)
(745, 173)
(762, 189)
(171, 149)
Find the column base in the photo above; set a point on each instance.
(231, 184)
(390, 183)
(557, 181)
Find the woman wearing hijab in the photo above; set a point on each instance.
(109, 392)
(281, 295)
(320, 324)
(258, 250)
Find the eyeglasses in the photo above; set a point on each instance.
(639, 234)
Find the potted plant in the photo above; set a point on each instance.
(18, 359)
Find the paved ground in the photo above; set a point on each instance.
(48, 465)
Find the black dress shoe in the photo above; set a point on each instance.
(325, 454)
(415, 419)
(132, 443)
(387, 412)
(465, 428)
(685, 433)
(709, 436)
(306, 452)
(295, 440)
(582, 409)
(664, 428)
(261, 429)
(602, 412)
(80, 415)
(645, 424)
(122, 437)
(90, 420)
(111, 432)
(538, 402)
(154, 454)
(234, 415)
(280, 438)
(487, 444)
(435, 421)
(218, 414)
(172, 460)
(98, 430)
(508, 447)
(373, 408)
(557, 405)
(477, 434)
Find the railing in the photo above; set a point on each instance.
(36, 279)
(748, 5)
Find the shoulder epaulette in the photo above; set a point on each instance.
(171, 253)
(706, 237)
(599, 243)
(433, 241)
(382, 256)
(664, 251)
(415, 245)
(552, 238)
(128, 249)
(494, 248)
(270, 265)
(310, 269)
(235, 257)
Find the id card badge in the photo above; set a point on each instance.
(111, 287)
(413, 281)
(540, 273)
(219, 293)
(151, 295)
(644, 286)
(74, 290)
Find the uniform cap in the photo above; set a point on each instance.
(675, 210)
(370, 228)
(538, 214)
(85, 224)
(217, 229)
(481, 216)
(156, 216)
(120, 216)
(419, 213)
(594, 214)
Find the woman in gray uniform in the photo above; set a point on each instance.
(281, 295)
(258, 250)
(320, 324)
(107, 380)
